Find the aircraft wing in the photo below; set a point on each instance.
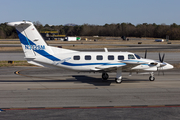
(135, 62)
(110, 66)
(126, 65)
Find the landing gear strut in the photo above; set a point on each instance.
(152, 78)
(105, 76)
(118, 78)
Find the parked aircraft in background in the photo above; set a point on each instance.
(37, 52)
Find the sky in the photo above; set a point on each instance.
(93, 12)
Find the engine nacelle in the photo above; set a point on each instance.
(153, 67)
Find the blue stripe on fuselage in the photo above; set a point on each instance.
(25, 41)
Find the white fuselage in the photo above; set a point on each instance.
(97, 61)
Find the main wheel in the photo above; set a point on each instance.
(118, 80)
(105, 76)
(151, 78)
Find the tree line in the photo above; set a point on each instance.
(114, 30)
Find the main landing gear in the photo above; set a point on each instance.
(118, 78)
(151, 78)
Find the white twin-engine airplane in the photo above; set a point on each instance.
(37, 52)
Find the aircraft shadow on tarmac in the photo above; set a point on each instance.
(99, 82)
(79, 79)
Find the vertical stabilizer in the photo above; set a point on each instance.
(32, 42)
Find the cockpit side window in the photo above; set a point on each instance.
(137, 56)
(130, 56)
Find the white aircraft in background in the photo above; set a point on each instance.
(37, 52)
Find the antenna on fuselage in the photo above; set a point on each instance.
(106, 50)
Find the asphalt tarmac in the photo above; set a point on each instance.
(40, 93)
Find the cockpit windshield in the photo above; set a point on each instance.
(137, 56)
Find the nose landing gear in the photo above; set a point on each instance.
(152, 78)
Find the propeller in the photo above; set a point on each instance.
(145, 54)
(161, 59)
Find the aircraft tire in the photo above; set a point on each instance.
(118, 80)
(105, 76)
(151, 78)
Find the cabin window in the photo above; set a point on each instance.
(110, 57)
(77, 57)
(131, 56)
(120, 57)
(87, 57)
(99, 57)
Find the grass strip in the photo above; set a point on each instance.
(14, 63)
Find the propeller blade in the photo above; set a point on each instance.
(145, 54)
(160, 57)
(162, 60)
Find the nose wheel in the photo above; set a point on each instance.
(152, 78)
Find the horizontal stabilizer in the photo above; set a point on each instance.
(19, 23)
